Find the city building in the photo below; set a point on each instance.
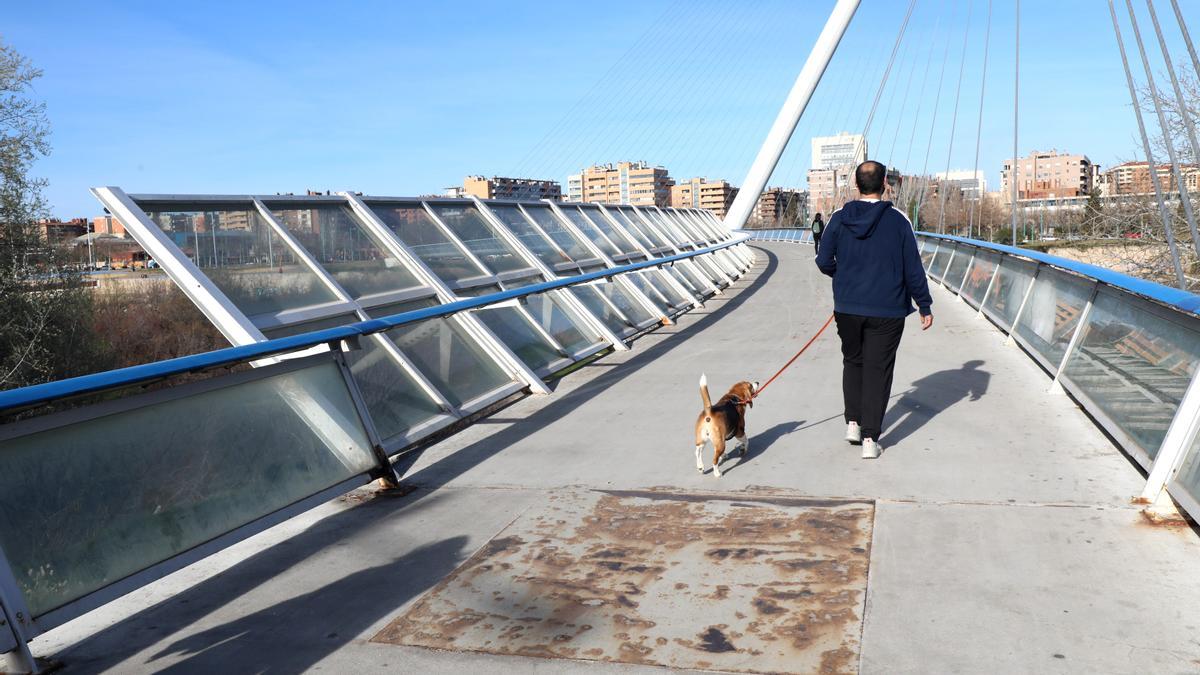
(1133, 178)
(108, 225)
(56, 232)
(972, 183)
(1048, 175)
(779, 206)
(843, 149)
(828, 188)
(699, 193)
(635, 183)
(499, 187)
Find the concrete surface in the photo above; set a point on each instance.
(1004, 540)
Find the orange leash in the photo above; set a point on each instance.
(793, 359)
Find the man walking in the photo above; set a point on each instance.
(870, 250)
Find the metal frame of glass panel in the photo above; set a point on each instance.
(689, 269)
(628, 288)
(640, 240)
(225, 314)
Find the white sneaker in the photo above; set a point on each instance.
(853, 432)
(871, 449)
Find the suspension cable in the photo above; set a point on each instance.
(1150, 165)
(1016, 118)
(1179, 100)
(962, 66)
(1162, 123)
(932, 125)
(1187, 39)
(987, 36)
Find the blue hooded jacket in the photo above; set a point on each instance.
(870, 250)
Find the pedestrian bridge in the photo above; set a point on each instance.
(223, 518)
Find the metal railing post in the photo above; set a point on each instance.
(16, 619)
(1175, 444)
(386, 471)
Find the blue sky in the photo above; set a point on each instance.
(407, 98)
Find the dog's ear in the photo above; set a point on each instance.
(746, 393)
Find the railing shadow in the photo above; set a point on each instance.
(392, 587)
(932, 395)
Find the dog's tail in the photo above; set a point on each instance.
(704, 397)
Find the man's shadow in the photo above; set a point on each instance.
(932, 395)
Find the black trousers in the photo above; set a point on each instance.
(816, 244)
(869, 346)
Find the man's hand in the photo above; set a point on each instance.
(926, 321)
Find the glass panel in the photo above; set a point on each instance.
(553, 316)
(626, 303)
(927, 255)
(469, 225)
(590, 297)
(634, 227)
(710, 269)
(639, 282)
(696, 274)
(683, 279)
(454, 362)
(514, 330)
(667, 230)
(333, 236)
(549, 222)
(624, 243)
(1008, 290)
(394, 399)
(676, 299)
(1135, 364)
(589, 231)
(533, 240)
(942, 261)
(413, 226)
(87, 504)
(240, 253)
(980, 276)
(1053, 312)
(958, 267)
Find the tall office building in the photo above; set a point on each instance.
(843, 149)
(635, 183)
(716, 196)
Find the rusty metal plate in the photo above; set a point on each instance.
(742, 582)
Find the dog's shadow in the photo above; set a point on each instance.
(762, 441)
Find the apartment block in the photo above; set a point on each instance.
(1133, 178)
(839, 150)
(1043, 175)
(635, 183)
(828, 189)
(781, 206)
(700, 193)
(500, 187)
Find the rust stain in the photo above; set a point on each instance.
(749, 582)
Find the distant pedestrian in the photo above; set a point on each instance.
(871, 253)
(818, 226)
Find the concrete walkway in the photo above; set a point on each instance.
(1002, 538)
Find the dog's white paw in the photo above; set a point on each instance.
(700, 469)
(716, 471)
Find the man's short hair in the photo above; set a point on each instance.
(869, 177)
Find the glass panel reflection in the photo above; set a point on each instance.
(575, 216)
(552, 226)
(514, 330)
(469, 225)
(1052, 312)
(516, 222)
(334, 237)
(394, 399)
(449, 358)
(551, 313)
(624, 243)
(90, 503)
(413, 226)
(244, 257)
(1008, 290)
(958, 267)
(1135, 364)
(979, 277)
(592, 299)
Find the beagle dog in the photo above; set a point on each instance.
(723, 421)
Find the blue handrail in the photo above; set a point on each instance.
(38, 394)
(1173, 297)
